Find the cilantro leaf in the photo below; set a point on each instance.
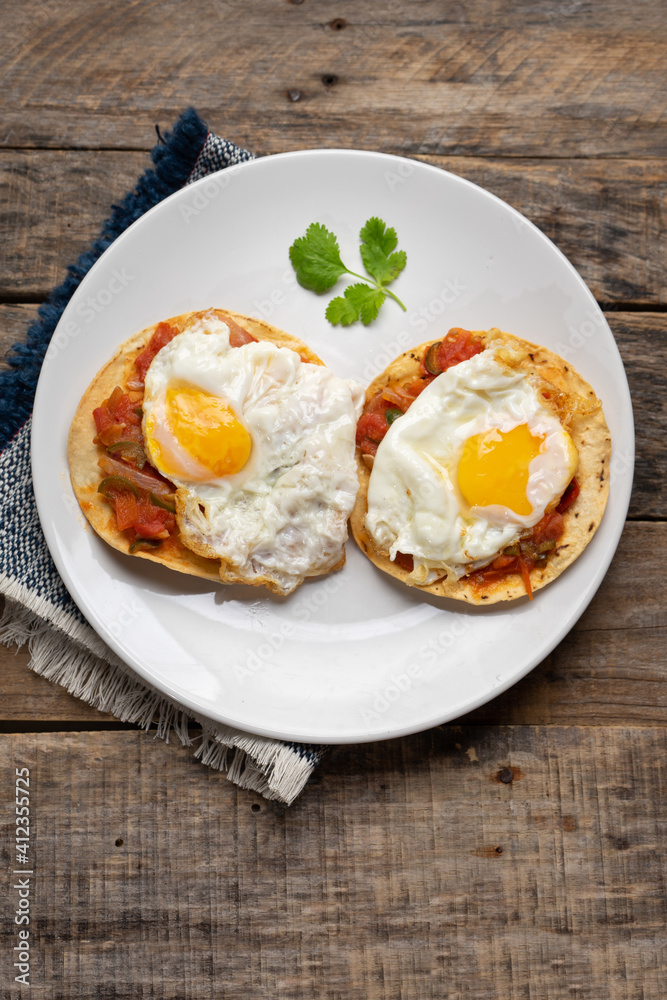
(367, 300)
(359, 301)
(383, 269)
(318, 265)
(377, 243)
(316, 258)
(341, 310)
(375, 234)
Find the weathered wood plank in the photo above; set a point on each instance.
(471, 862)
(558, 79)
(14, 322)
(466, 862)
(605, 217)
(28, 697)
(611, 669)
(642, 341)
(54, 208)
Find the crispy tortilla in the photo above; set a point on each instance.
(589, 433)
(83, 454)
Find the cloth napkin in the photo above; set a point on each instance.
(38, 610)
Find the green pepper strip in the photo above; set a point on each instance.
(163, 503)
(144, 543)
(546, 546)
(392, 413)
(132, 448)
(117, 483)
(430, 359)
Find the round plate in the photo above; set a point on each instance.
(353, 656)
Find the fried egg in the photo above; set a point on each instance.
(260, 446)
(476, 460)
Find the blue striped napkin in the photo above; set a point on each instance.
(38, 609)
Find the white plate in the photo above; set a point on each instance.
(353, 656)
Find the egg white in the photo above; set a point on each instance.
(414, 504)
(283, 516)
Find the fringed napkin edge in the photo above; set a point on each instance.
(64, 649)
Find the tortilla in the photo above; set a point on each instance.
(590, 435)
(83, 454)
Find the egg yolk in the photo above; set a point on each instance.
(207, 429)
(494, 468)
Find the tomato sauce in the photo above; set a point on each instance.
(459, 345)
(144, 512)
(380, 412)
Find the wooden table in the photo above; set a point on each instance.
(519, 853)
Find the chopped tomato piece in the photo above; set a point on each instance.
(500, 567)
(109, 434)
(550, 528)
(125, 504)
(568, 498)
(416, 387)
(459, 345)
(373, 423)
(144, 518)
(367, 446)
(117, 419)
(102, 418)
(372, 426)
(122, 408)
(152, 521)
(237, 335)
(164, 332)
(152, 529)
(136, 511)
(378, 404)
(547, 531)
(506, 562)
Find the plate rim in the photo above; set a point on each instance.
(584, 599)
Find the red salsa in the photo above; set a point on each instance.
(383, 408)
(141, 498)
(380, 411)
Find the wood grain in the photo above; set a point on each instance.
(642, 341)
(465, 862)
(608, 222)
(609, 670)
(14, 321)
(428, 78)
(520, 854)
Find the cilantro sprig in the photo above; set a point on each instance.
(318, 265)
